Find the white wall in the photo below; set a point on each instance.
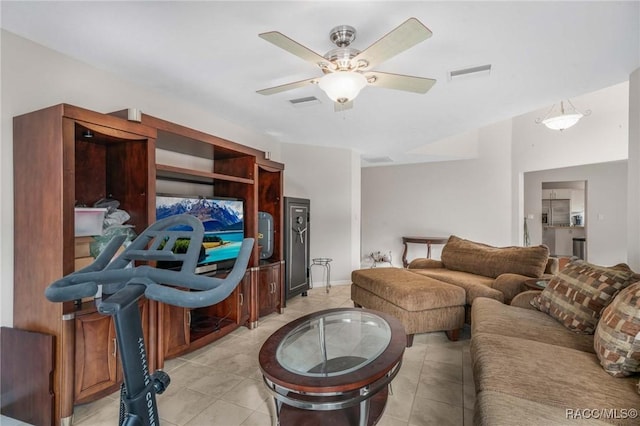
(468, 198)
(483, 198)
(34, 77)
(600, 137)
(330, 178)
(606, 215)
(633, 210)
(480, 198)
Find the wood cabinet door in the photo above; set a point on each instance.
(176, 329)
(269, 289)
(266, 287)
(96, 358)
(277, 276)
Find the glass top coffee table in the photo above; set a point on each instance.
(333, 366)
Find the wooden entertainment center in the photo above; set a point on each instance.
(66, 156)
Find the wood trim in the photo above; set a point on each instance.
(253, 306)
(105, 120)
(269, 165)
(167, 126)
(67, 367)
(39, 169)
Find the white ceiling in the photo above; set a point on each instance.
(210, 53)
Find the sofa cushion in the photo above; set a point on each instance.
(481, 259)
(473, 285)
(577, 295)
(617, 337)
(549, 375)
(491, 316)
(498, 408)
(425, 263)
(407, 290)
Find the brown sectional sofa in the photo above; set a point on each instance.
(486, 271)
(569, 354)
(530, 369)
(435, 295)
(556, 357)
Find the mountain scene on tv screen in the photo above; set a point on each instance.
(215, 215)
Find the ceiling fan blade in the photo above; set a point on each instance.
(407, 83)
(288, 86)
(408, 34)
(339, 107)
(291, 46)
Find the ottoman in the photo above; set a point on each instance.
(421, 303)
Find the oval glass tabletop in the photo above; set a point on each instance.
(334, 343)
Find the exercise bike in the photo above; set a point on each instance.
(123, 283)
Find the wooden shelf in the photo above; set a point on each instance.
(164, 170)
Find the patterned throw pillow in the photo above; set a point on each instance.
(617, 337)
(577, 295)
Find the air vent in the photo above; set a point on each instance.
(306, 101)
(377, 160)
(480, 70)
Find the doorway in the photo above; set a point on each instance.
(563, 217)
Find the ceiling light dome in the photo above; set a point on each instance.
(342, 86)
(562, 122)
(565, 119)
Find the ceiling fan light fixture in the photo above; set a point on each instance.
(342, 86)
(565, 119)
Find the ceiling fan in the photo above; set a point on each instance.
(347, 70)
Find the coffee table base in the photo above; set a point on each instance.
(346, 416)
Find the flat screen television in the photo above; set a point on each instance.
(223, 221)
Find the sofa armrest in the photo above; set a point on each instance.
(510, 285)
(523, 300)
(424, 263)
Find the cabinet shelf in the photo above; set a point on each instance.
(190, 175)
(205, 326)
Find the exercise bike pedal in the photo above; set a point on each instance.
(161, 381)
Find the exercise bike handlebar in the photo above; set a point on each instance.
(181, 287)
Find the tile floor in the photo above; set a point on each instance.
(221, 384)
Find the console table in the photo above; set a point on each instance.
(421, 240)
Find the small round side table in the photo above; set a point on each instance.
(325, 262)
